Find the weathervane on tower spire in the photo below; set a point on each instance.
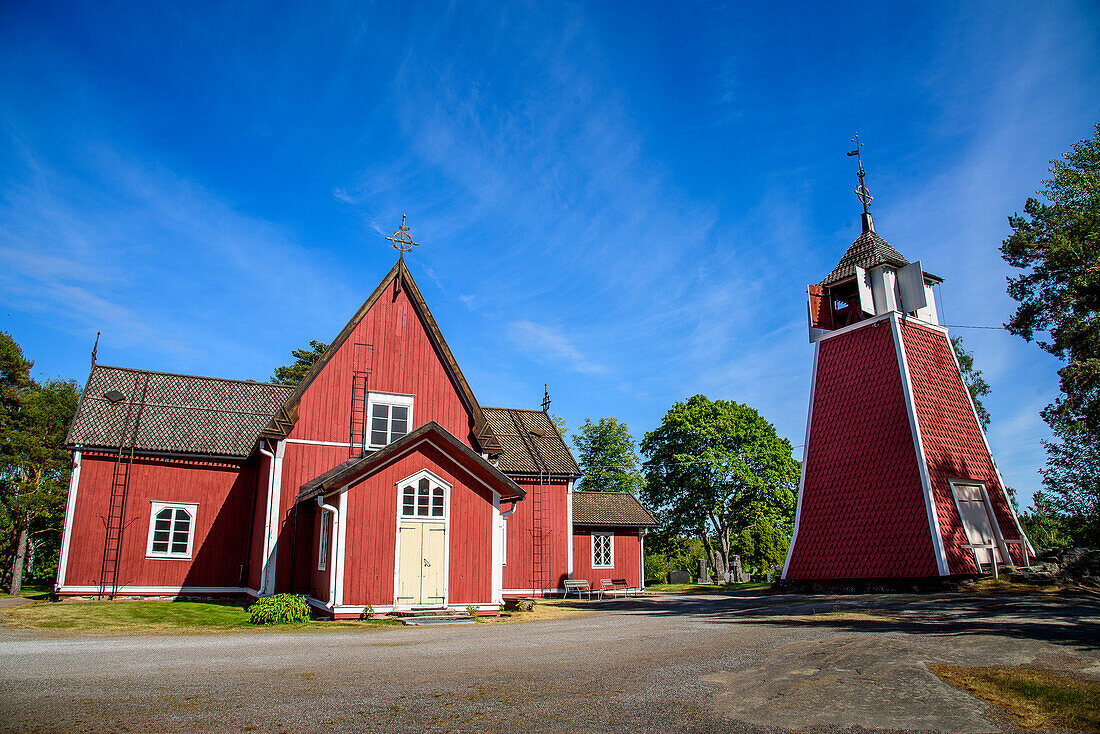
(402, 240)
(862, 193)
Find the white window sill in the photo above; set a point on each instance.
(168, 557)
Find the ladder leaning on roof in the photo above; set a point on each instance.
(120, 485)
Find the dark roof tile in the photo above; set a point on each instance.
(174, 413)
(539, 434)
(610, 508)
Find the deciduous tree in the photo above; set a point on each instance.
(714, 469)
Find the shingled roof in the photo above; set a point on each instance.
(522, 431)
(174, 413)
(868, 251)
(610, 508)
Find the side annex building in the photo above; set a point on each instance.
(379, 480)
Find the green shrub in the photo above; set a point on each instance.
(367, 613)
(472, 611)
(279, 609)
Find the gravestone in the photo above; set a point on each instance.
(679, 577)
(704, 577)
(737, 575)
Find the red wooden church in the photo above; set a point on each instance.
(378, 480)
(898, 481)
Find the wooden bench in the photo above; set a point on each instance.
(580, 586)
(613, 586)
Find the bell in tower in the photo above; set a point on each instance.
(898, 481)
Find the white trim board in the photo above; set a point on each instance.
(123, 590)
(70, 510)
(918, 445)
(805, 454)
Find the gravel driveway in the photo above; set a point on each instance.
(669, 663)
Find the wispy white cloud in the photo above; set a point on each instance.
(548, 343)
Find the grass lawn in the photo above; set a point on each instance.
(706, 588)
(146, 616)
(1035, 698)
(31, 590)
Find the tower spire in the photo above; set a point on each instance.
(545, 396)
(862, 193)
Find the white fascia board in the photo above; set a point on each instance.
(851, 327)
(918, 444)
(70, 510)
(569, 526)
(498, 551)
(805, 453)
(158, 590)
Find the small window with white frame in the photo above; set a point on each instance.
(171, 529)
(423, 498)
(603, 550)
(322, 546)
(389, 417)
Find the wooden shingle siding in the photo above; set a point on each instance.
(953, 444)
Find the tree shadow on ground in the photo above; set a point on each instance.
(1067, 617)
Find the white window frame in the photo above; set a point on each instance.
(610, 546)
(434, 483)
(192, 509)
(323, 540)
(391, 399)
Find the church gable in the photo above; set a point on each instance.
(392, 353)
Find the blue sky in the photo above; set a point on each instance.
(625, 200)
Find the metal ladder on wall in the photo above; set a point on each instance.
(120, 485)
(540, 513)
(360, 387)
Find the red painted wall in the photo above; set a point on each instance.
(863, 513)
(259, 518)
(370, 511)
(402, 360)
(953, 444)
(626, 557)
(223, 492)
(519, 571)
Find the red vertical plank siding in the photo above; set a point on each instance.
(518, 570)
(259, 518)
(402, 360)
(953, 443)
(301, 462)
(626, 557)
(862, 512)
(370, 511)
(223, 492)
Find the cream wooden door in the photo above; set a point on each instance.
(421, 573)
(976, 520)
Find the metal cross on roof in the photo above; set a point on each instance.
(402, 240)
(862, 193)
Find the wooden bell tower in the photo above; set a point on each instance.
(897, 479)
